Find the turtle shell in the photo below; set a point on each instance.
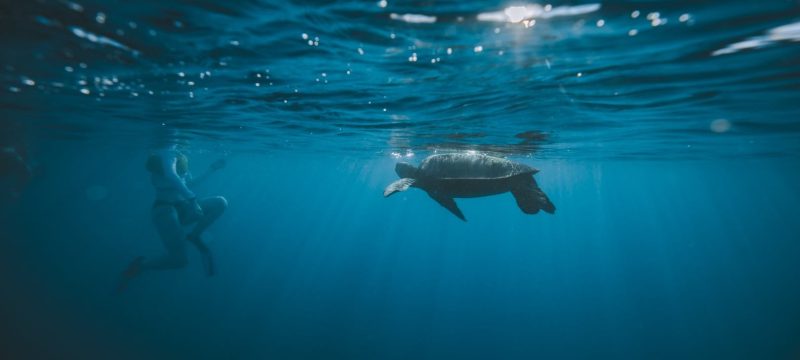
(471, 166)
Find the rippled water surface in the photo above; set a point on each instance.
(694, 79)
(667, 135)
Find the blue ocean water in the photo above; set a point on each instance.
(667, 135)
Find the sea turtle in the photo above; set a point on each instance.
(464, 175)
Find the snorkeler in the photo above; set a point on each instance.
(175, 207)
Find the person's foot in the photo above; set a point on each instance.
(205, 253)
(133, 270)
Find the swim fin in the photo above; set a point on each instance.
(133, 270)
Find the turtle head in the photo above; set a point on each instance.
(405, 170)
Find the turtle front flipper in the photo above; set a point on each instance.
(399, 185)
(530, 198)
(448, 204)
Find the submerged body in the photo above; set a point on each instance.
(448, 176)
(175, 207)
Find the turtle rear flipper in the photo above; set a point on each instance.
(530, 198)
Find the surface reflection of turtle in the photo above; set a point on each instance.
(449, 176)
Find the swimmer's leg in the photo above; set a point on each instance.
(213, 207)
(169, 228)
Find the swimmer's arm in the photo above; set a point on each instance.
(219, 164)
(171, 174)
(194, 181)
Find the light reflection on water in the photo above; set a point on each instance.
(790, 32)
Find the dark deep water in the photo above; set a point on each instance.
(667, 135)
